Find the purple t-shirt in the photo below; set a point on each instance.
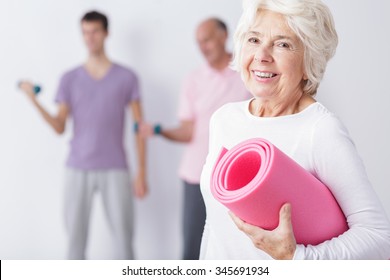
(97, 108)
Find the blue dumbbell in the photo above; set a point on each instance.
(37, 88)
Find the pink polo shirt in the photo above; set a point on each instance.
(204, 91)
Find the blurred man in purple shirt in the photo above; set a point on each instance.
(96, 96)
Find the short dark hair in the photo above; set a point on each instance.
(221, 24)
(96, 16)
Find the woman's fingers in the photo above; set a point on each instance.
(278, 243)
(285, 217)
(249, 229)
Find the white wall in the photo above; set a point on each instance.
(41, 39)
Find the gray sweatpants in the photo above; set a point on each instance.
(194, 217)
(116, 192)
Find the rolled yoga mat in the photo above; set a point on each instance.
(254, 179)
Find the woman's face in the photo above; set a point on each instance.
(272, 58)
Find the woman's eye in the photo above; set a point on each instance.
(253, 40)
(284, 45)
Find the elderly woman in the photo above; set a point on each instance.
(281, 51)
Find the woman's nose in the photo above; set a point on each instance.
(263, 54)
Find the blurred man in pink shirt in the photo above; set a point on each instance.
(203, 92)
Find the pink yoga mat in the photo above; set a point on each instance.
(254, 179)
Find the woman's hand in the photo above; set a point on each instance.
(278, 243)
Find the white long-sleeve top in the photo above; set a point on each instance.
(318, 141)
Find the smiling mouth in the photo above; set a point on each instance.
(264, 75)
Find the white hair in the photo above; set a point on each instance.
(310, 20)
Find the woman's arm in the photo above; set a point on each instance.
(338, 165)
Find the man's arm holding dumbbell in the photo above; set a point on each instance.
(58, 121)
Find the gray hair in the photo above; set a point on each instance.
(310, 20)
